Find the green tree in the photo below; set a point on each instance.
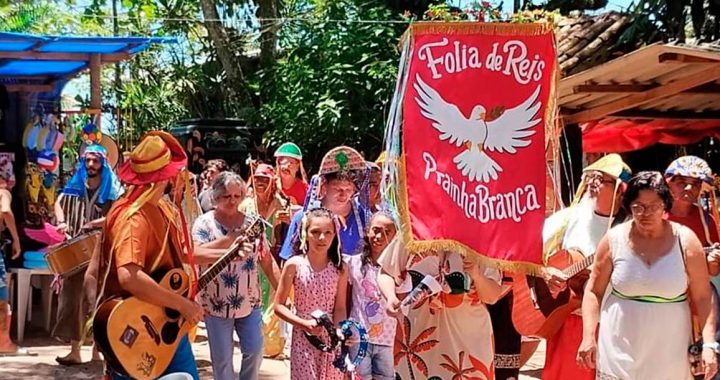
(334, 80)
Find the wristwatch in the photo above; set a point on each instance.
(715, 346)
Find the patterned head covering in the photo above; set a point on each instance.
(110, 188)
(6, 169)
(264, 170)
(690, 166)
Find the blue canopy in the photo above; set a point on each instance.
(24, 55)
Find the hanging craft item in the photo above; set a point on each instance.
(33, 182)
(91, 134)
(48, 189)
(466, 134)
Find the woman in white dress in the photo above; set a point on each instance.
(653, 267)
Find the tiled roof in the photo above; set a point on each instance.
(585, 41)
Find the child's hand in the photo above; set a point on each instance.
(311, 327)
(392, 306)
(349, 341)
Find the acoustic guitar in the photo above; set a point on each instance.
(139, 339)
(536, 312)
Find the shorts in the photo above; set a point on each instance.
(378, 363)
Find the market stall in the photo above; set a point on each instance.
(33, 72)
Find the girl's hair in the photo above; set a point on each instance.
(367, 247)
(299, 247)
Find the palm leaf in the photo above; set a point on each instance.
(423, 335)
(23, 17)
(480, 366)
(419, 364)
(425, 346)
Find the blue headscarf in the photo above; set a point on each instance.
(110, 188)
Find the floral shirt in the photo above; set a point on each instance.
(235, 292)
(368, 304)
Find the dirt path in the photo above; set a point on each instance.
(43, 366)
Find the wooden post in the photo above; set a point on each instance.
(95, 95)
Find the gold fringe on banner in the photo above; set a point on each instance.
(474, 27)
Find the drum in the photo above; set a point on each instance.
(74, 255)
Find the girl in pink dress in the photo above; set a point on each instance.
(319, 280)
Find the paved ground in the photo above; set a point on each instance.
(43, 365)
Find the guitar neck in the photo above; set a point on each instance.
(218, 266)
(579, 266)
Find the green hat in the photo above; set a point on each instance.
(289, 150)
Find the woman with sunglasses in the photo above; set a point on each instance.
(651, 267)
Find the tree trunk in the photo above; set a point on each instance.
(269, 25)
(237, 87)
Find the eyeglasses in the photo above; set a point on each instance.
(641, 209)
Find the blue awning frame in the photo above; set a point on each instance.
(47, 59)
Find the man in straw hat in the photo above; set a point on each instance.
(7, 220)
(144, 236)
(595, 209)
(343, 172)
(82, 206)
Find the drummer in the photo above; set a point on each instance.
(81, 207)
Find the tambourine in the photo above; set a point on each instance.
(343, 361)
(325, 322)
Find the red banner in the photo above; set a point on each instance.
(478, 99)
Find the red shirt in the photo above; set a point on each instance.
(297, 192)
(692, 221)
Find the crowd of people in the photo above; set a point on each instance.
(331, 251)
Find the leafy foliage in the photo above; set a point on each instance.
(334, 81)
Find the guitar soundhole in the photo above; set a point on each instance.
(170, 332)
(172, 314)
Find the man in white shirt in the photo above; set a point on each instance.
(596, 207)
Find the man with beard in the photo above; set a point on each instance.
(596, 208)
(81, 207)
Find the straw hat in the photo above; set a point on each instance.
(158, 157)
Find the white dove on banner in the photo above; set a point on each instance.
(509, 131)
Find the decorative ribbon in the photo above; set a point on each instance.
(650, 299)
